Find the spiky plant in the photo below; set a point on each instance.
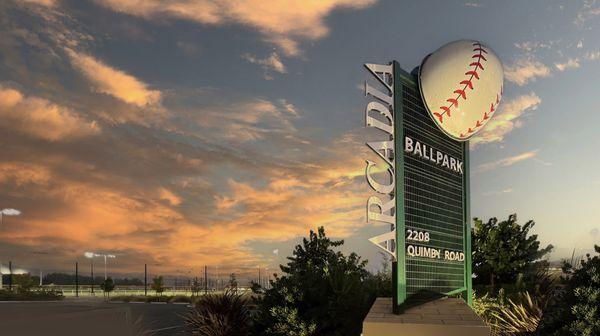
(521, 318)
(225, 314)
(486, 306)
(544, 285)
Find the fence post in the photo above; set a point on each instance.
(76, 279)
(205, 279)
(92, 271)
(10, 276)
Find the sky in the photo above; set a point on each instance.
(190, 133)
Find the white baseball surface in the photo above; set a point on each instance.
(461, 85)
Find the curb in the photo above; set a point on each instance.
(141, 302)
(49, 301)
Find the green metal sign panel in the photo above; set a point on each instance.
(432, 208)
(423, 193)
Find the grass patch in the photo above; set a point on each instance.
(180, 298)
(31, 295)
(141, 298)
(162, 298)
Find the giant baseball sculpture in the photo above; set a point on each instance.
(461, 86)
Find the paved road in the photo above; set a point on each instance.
(162, 319)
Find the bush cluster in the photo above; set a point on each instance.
(31, 295)
(321, 292)
(161, 298)
(523, 297)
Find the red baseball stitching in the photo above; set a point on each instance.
(467, 83)
(486, 115)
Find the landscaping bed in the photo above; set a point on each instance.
(149, 299)
(31, 295)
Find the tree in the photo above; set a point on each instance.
(321, 292)
(107, 286)
(24, 282)
(158, 284)
(503, 250)
(583, 296)
(256, 288)
(380, 283)
(195, 286)
(233, 284)
(577, 310)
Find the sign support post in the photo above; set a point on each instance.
(399, 285)
(468, 246)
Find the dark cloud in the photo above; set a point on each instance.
(185, 181)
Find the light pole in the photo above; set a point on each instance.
(268, 279)
(105, 256)
(217, 282)
(90, 256)
(6, 212)
(205, 279)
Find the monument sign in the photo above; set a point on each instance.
(425, 119)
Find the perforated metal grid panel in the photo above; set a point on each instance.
(433, 202)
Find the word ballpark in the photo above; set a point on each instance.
(428, 153)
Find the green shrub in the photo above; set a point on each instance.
(107, 286)
(158, 285)
(225, 314)
(321, 292)
(577, 310)
(572, 309)
(287, 322)
(23, 282)
(504, 250)
(31, 295)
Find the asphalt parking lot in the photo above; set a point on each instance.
(85, 316)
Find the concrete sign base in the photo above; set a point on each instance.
(442, 317)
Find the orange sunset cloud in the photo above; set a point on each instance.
(41, 118)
